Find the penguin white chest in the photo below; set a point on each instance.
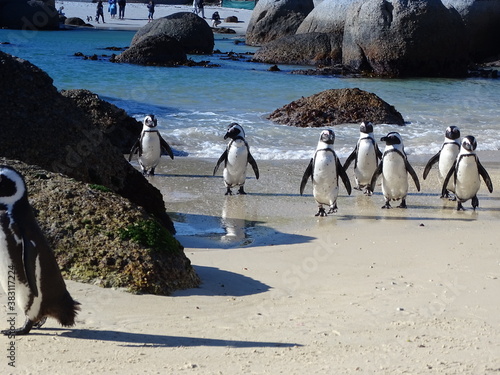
(5, 261)
(151, 150)
(366, 162)
(325, 181)
(468, 181)
(236, 166)
(394, 177)
(447, 158)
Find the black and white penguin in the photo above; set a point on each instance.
(236, 157)
(324, 170)
(466, 172)
(446, 157)
(150, 146)
(28, 267)
(366, 156)
(394, 168)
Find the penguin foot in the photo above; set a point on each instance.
(368, 192)
(228, 192)
(152, 172)
(403, 204)
(24, 330)
(475, 202)
(460, 207)
(332, 209)
(321, 212)
(387, 205)
(241, 191)
(40, 323)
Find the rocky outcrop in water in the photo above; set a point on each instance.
(337, 106)
(191, 31)
(273, 19)
(154, 50)
(44, 128)
(28, 15)
(101, 238)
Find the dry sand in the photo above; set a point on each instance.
(363, 291)
(136, 15)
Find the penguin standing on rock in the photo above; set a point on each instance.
(324, 170)
(29, 272)
(365, 156)
(466, 172)
(394, 168)
(150, 146)
(236, 157)
(446, 157)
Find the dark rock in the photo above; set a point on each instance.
(337, 106)
(274, 19)
(157, 50)
(223, 30)
(274, 68)
(121, 130)
(302, 49)
(76, 21)
(42, 127)
(191, 31)
(28, 15)
(482, 22)
(89, 228)
(405, 38)
(231, 19)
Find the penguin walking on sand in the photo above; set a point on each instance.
(324, 170)
(394, 168)
(366, 156)
(466, 173)
(236, 157)
(28, 269)
(150, 146)
(445, 158)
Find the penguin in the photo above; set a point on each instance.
(150, 146)
(28, 269)
(446, 157)
(394, 168)
(236, 157)
(366, 156)
(466, 172)
(324, 170)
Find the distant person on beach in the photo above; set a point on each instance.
(112, 8)
(151, 8)
(195, 7)
(215, 19)
(99, 12)
(121, 9)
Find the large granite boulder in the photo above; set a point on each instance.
(327, 17)
(337, 106)
(42, 127)
(28, 15)
(101, 238)
(121, 129)
(273, 19)
(405, 38)
(302, 49)
(155, 50)
(482, 22)
(191, 31)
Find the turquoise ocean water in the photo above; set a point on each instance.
(195, 104)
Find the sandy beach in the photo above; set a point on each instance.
(362, 291)
(136, 15)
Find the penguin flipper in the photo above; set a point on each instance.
(308, 173)
(133, 150)
(447, 179)
(377, 151)
(430, 163)
(164, 145)
(343, 176)
(350, 158)
(223, 158)
(253, 163)
(412, 173)
(376, 174)
(485, 176)
(30, 254)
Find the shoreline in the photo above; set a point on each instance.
(136, 15)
